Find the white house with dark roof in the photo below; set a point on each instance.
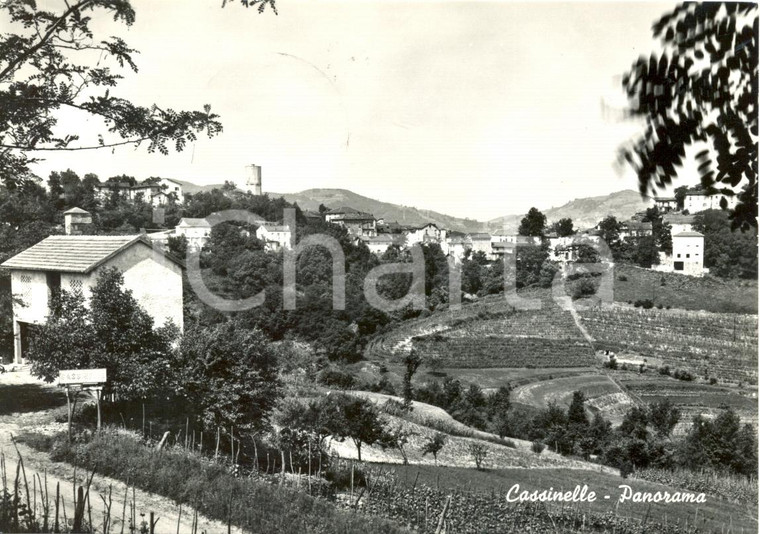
(72, 263)
(357, 222)
(688, 255)
(195, 230)
(694, 202)
(275, 236)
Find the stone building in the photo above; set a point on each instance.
(73, 262)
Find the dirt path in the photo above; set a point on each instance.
(38, 463)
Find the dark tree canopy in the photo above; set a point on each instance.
(563, 227)
(47, 68)
(701, 91)
(533, 224)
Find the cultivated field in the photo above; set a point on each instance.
(691, 398)
(723, 346)
(603, 394)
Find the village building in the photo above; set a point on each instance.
(688, 255)
(499, 249)
(354, 221)
(73, 263)
(379, 244)
(275, 236)
(76, 221)
(665, 204)
(313, 216)
(678, 222)
(635, 229)
(157, 192)
(695, 202)
(196, 232)
(424, 235)
(481, 242)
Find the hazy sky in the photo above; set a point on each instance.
(476, 109)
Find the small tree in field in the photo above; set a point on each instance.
(479, 453)
(434, 445)
(412, 362)
(398, 437)
(353, 418)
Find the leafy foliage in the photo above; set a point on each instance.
(44, 72)
(113, 332)
(702, 90)
(231, 373)
(533, 224)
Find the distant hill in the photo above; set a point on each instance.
(189, 187)
(336, 198)
(585, 212)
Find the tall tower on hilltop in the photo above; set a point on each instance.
(253, 180)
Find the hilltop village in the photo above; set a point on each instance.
(680, 249)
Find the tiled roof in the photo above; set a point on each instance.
(72, 254)
(689, 234)
(344, 209)
(275, 228)
(77, 211)
(678, 218)
(194, 223)
(480, 236)
(357, 216)
(665, 199)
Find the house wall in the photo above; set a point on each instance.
(30, 288)
(690, 251)
(697, 203)
(155, 281)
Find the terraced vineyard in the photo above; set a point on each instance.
(603, 394)
(546, 337)
(723, 346)
(691, 398)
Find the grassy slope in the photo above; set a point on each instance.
(680, 291)
(716, 513)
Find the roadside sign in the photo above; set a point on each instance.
(82, 379)
(70, 377)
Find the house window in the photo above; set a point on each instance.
(678, 255)
(688, 255)
(678, 266)
(75, 286)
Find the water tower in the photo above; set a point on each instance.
(253, 180)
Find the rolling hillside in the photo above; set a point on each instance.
(584, 212)
(336, 198)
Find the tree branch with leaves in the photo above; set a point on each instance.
(701, 91)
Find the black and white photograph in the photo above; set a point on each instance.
(374, 267)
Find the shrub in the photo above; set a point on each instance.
(537, 447)
(713, 381)
(479, 453)
(623, 278)
(336, 377)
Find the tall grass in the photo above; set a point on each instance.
(34, 507)
(185, 477)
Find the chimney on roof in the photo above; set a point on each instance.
(76, 220)
(253, 181)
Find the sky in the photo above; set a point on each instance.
(476, 109)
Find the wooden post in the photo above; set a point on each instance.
(68, 405)
(143, 422)
(97, 395)
(216, 454)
